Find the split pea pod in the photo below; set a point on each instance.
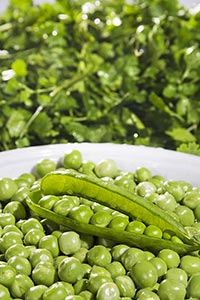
(129, 238)
(74, 183)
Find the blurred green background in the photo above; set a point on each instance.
(100, 71)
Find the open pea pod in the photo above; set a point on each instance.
(125, 237)
(74, 183)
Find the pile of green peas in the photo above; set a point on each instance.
(42, 260)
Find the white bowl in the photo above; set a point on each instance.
(170, 164)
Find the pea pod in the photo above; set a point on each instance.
(132, 239)
(74, 183)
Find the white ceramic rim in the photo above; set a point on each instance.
(170, 164)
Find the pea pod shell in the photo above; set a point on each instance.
(74, 183)
(136, 240)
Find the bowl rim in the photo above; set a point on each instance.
(171, 164)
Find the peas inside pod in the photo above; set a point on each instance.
(76, 229)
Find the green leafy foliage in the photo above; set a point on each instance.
(118, 71)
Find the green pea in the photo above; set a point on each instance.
(58, 259)
(106, 168)
(50, 242)
(190, 264)
(116, 269)
(147, 294)
(7, 275)
(86, 270)
(81, 213)
(28, 177)
(21, 285)
(142, 174)
(136, 226)
(87, 295)
(19, 223)
(81, 254)
(99, 255)
(98, 270)
(145, 188)
(108, 291)
(40, 255)
(170, 257)
(30, 224)
(8, 239)
(21, 264)
(118, 250)
(35, 292)
(45, 166)
(193, 286)
(101, 218)
(33, 236)
(57, 233)
(55, 291)
(85, 201)
(185, 214)
(176, 189)
(44, 273)
(125, 182)
(160, 266)
(131, 256)
(166, 201)
(69, 242)
(21, 183)
(170, 290)
(159, 184)
(70, 270)
(119, 223)
(4, 293)
(125, 285)
(15, 208)
(21, 194)
(11, 227)
(196, 227)
(68, 287)
(48, 201)
(197, 212)
(177, 274)
(153, 231)
(72, 159)
(160, 178)
(7, 188)
(64, 206)
(87, 167)
(6, 219)
(80, 285)
(148, 255)
(191, 199)
(144, 274)
(95, 282)
(97, 207)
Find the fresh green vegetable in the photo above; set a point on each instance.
(68, 182)
(49, 254)
(126, 72)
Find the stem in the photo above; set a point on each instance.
(32, 118)
(5, 27)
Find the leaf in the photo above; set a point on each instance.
(19, 66)
(42, 125)
(181, 135)
(15, 123)
(190, 148)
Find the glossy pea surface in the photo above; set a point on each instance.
(43, 260)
